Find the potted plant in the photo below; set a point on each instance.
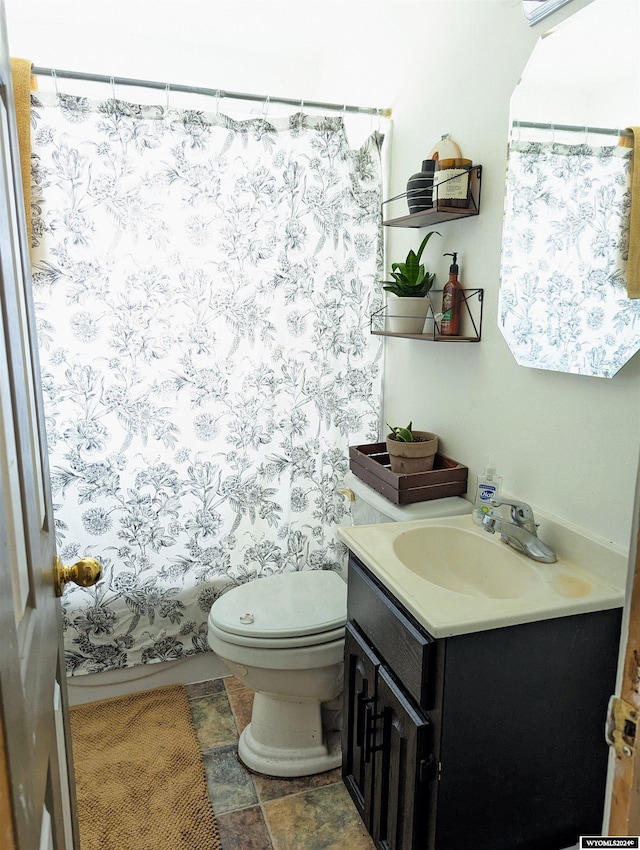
(407, 305)
(411, 451)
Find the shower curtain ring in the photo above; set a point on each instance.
(113, 88)
(168, 90)
(265, 108)
(218, 102)
(55, 81)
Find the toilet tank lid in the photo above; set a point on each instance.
(283, 605)
(447, 506)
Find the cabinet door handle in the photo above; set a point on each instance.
(426, 768)
(363, 702)
(370, 730)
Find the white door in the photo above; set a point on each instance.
(37, 805)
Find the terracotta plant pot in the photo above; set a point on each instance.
(417, 456)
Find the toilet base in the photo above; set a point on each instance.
(280, 762)
(286, 738)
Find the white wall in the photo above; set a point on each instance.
(565, 443)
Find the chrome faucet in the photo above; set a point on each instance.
(520, 531)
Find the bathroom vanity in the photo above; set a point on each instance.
(481, 737)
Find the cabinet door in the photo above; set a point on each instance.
(403, 767)
(361, 665)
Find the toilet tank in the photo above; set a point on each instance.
(369, 507)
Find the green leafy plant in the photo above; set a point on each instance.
(404, 435)
(411, 279)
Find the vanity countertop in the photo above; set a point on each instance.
(589, 575)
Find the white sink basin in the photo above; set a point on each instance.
(455, 577)
(460, 560)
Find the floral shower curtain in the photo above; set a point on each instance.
(203, 288)
(563, 301)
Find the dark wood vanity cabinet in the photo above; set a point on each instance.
(492, 740)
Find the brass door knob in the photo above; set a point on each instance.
(85, 572)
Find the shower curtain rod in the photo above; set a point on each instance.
(217, 93)
(571, 128)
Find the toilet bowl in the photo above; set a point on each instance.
(283, 637)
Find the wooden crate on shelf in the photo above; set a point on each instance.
(371, 464)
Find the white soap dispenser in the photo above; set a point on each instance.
(487, 488)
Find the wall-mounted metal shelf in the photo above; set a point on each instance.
(442, 209)
(470, 324)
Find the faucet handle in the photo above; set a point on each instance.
(521, 512)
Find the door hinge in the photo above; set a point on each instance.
(620, 732)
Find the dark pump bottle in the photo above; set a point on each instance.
(451, 301)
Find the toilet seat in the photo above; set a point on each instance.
(277, 643)
(284, 611)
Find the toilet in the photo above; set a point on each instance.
(283, 637)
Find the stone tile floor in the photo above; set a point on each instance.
(266, 813)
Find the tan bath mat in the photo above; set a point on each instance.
(140, 780)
